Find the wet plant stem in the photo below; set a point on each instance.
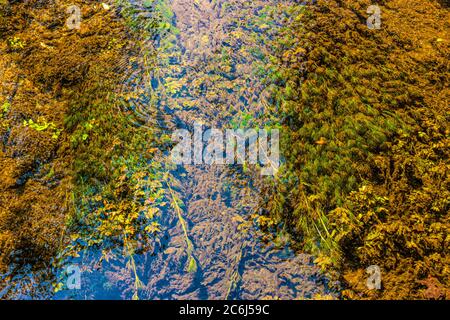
(192, 266)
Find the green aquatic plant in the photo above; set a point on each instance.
(119, 185)
(42, 126)
(16, 43)
(76, 74)
(176, 204)
(4, 109)
(82, 134)
(131, 264)
(362, 145)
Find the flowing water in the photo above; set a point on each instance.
(210, 68)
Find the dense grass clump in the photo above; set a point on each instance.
(366, 113)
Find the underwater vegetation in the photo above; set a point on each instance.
(57, 134)
(364, 121)
(366, 180)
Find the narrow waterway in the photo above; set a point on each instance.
(211, 71)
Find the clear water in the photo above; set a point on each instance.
(212, 70)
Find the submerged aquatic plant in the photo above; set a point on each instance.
(4, 109)
(176, 204)
(16, 43)
(365, 144)
(42, 126)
